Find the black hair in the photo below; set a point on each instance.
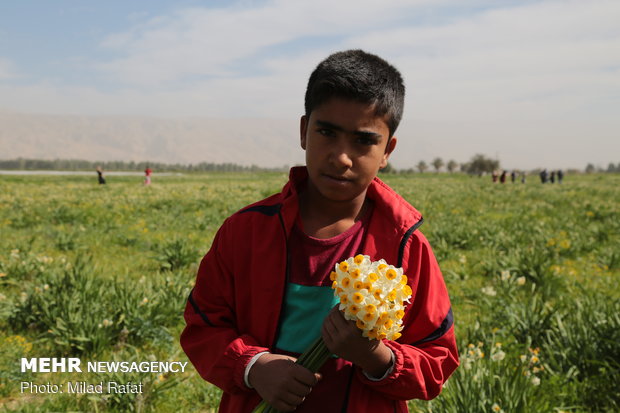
(362, 77)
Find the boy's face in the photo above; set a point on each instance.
(346, 144)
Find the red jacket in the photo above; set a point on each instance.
(234, 310)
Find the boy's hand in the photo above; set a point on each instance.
(280, 382)
(343, 338)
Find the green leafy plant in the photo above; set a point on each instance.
(176, 254)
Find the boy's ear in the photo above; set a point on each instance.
(303, 128)
(388, 150)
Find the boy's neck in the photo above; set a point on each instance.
(324, 218)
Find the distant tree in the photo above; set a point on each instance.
(479, 164)
(452, 165)
(77, 164)
(590, 168)
(437, 164)
(611, 167)
(422, 166)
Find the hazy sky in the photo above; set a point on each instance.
(535, 83)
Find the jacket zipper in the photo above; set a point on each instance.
(404, 239)
(286, 278)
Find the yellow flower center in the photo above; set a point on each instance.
(358, 298)
(403, 279)
(372, 277)
(355, 273)
(344, 299)
(360, 324)
(399, 314)
(407, 290)
(346, 282)
(333, 275)
(344, 266)
(391, 295)
(391, 274)
(358, 259)
(370, 309)
(354, 309)
(358, 285)
(377, 293)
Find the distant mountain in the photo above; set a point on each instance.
(262, 142)
(274, 143)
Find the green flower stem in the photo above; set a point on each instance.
(313, 359)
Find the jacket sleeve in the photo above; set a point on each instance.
(210, 338)
(426, 354)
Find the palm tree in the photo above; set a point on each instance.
(422, 166)
(452, 165)
(437, 164)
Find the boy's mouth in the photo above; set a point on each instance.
(337, 178)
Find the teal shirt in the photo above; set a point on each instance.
(305, 308)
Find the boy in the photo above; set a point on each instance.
(263, 292)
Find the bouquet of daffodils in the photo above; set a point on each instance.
(373, 295)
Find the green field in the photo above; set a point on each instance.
(103, 272)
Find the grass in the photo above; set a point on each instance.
(103, 272)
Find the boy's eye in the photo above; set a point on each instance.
(325, 132)
(366, 140)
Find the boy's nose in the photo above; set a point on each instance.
(342, 158)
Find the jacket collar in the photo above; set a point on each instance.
(386, 201)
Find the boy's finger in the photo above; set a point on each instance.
(304, 376)
(329, 323)
(342, 323)
(337, 319)
(329, 332)
(298, 389)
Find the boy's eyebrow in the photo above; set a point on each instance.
(329, 125)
